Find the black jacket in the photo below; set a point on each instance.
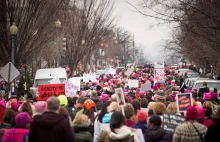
(157, 134)
(50, 126)
(203, 90)
(212, 135)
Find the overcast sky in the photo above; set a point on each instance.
(150, 39)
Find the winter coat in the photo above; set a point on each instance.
(207, 123)
(187, 133)
(98, 128)
(123, 134)
(50, 126)
(141, 125)
(130, 123)
(3, 126)
(157, 134)
(203, 90)
(15, 134)
(212, 134)
(82, 134)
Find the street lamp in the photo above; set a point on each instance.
(13, 32)
(58, 24)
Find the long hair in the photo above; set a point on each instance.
(117, 120)
(26, 107)
(103, 111)
(90, 114)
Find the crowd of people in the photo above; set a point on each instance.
(95, 115)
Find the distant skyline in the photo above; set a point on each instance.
(150, 39)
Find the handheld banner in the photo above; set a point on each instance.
(183, 101)
(47, 90)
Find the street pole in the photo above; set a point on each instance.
(13, 50)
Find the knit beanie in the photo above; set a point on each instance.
(142, 116)
(22, 119)
(191, 113)
(200, 112)
(207, 96)
(63, 100)
(40, 106)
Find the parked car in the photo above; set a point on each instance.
(190, 81)
(210, 83)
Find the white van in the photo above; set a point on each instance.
(43, 76)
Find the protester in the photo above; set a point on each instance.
(136, 105)
(129, 115)
(26, 107)
(154, 132)
(203, 89)
(142, 121)
(159, 109)
(118, 131)
(20, 132)
(51, 126)
(40, 107)
(172, 108)
(80, 126)
(144, 104)
(190, 130)
(212, 134)
(201, 117)
(2, 109)
(64, 102)
(64, 112)
(7, 118)
(99, 125)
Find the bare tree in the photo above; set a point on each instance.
(35, 20)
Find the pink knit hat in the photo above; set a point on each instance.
(22, 119)
(15, 106)
(191, 113)
(3, 103)
(207, 96)
(104, 97)
(40, 106)
(200, 112)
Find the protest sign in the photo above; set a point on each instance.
(159, 74)
(171, 121)
(183, 101)
(55, 81)
(112, 71)
(120, 96)
(88, 77)
(146, 86)
(129, 72)
(47, 90)
(133, 83)
(76, 81)
(71, 88)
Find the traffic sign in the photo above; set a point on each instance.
(4, 72)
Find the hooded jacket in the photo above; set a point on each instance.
(141, 125)
(157, 134)
(50, 126)
(82, 133)
(123, 134)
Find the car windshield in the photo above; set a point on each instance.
(45, 81)
(210, 85)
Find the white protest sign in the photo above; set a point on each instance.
(76, 81)
(112, 71)
(120, 96)
(54, 81)
(159, 74)
(70, 89)
(88, 77)
(146, 86)
(133, 83)
(129, 72)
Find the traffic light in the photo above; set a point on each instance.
(129, 61)
(116, 57)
